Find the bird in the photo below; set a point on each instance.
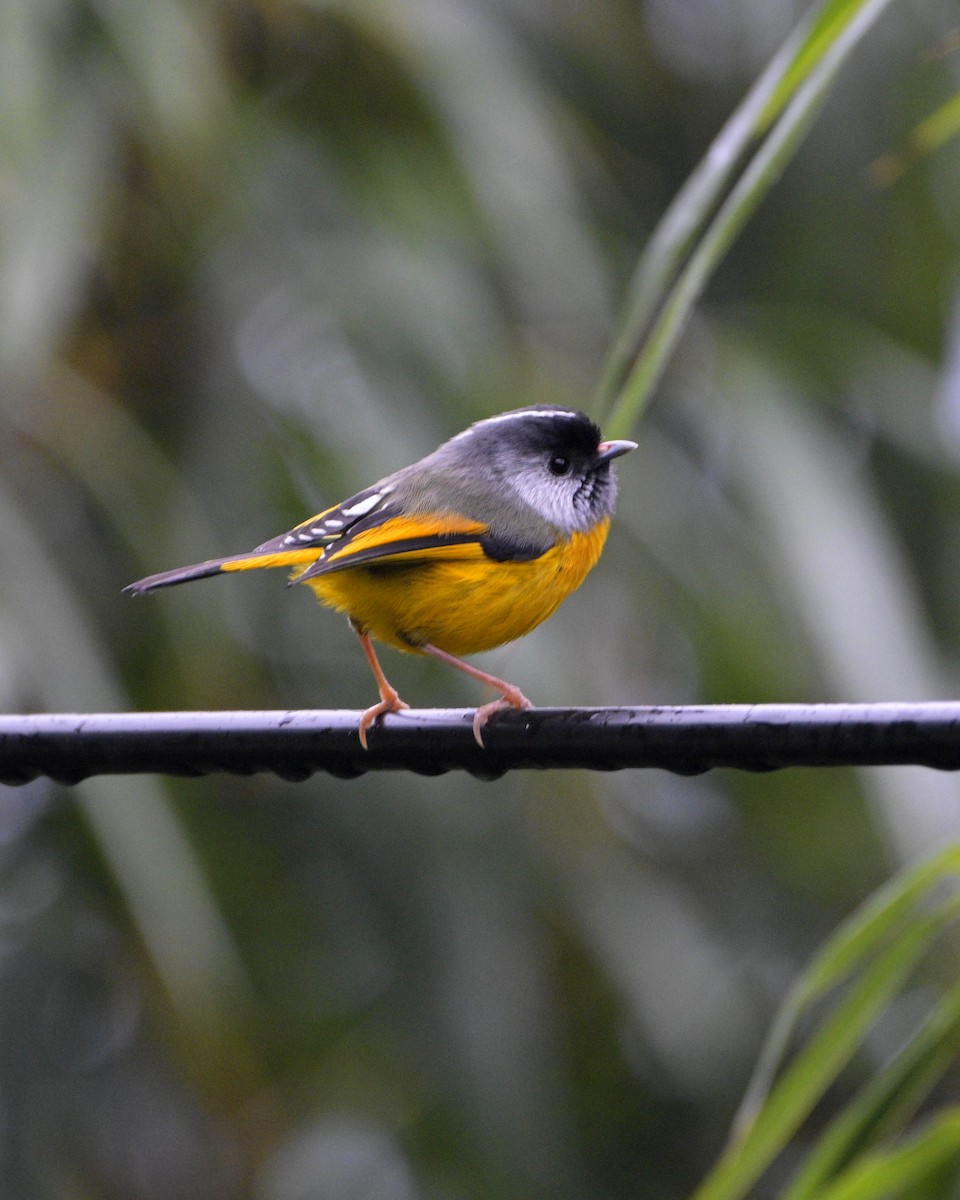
(467, 549)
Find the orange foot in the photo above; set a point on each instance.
(512, 698)
(389, 697)
(389, 703)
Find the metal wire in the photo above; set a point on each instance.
(294, 745)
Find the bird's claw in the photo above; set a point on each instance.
(511, 698)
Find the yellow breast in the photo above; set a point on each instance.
(457, 598)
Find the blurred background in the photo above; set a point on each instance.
(255, 254)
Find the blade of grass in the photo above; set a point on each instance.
(792, 1098)
(821, 30)
(701, 194)
(888, 1101)
(940, 127)
(687, 213)
(792, 89)
(858, 938)
(930, 135)
(892, 1172)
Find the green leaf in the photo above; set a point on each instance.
(873, 954)
(933, 132)
(700, 225)
(817, 1066)
(855, 940)
(886, 1101)
(890, 1172)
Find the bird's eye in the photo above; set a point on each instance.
(559, 465)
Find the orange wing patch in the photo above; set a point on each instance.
(264, 562)
(417, 537)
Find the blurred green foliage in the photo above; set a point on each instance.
(255, 254)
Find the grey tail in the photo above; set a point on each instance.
(181, 575)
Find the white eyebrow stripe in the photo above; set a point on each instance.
(519, 415)
(526, 414)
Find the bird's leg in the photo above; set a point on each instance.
(510, 696)
(389, 697)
